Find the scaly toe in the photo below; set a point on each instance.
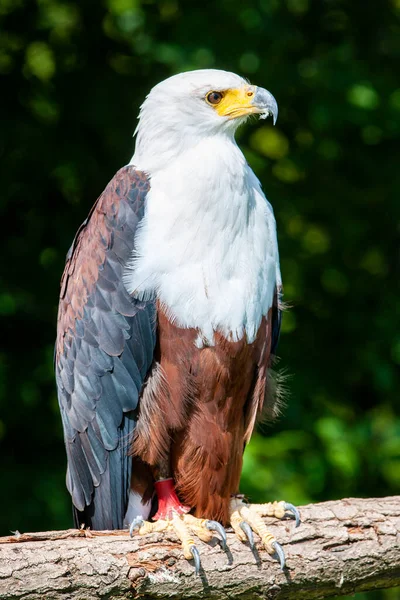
(183, 533)
(277, 509)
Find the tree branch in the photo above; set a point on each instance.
(340, 547)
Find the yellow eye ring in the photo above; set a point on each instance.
(214, 98)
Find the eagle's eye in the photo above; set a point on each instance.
(214, 97)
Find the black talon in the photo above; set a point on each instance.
(248, 532)
(136, 524)
(292, 509)
(215, 526)
(281, 555)
(196, 558)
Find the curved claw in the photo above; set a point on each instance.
(136, 524)
(292, 509)
(215, 526)
(196, 558)
(281, 555)
(248, 532)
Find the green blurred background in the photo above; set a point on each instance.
(72, 78)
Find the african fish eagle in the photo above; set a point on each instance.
(168, 320)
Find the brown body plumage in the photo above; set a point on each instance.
(199, 407)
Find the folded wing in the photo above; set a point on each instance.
(104, 350)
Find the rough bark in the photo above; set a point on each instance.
(340, 547)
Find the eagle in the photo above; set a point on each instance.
(168, 324)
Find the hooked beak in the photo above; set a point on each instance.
(248, 100)
(265, 104)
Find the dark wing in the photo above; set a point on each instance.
(104, 349)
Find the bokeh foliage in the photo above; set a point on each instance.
(73, 75)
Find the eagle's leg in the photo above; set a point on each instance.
(173, 513)
(168, 501)
(277, 509)
(246, 518)
(171, 516)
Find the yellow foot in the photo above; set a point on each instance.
(246, 518)
(184, 526)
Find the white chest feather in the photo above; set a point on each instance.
(206, 247)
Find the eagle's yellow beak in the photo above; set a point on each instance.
(247, 100)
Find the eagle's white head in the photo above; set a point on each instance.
(184, 109)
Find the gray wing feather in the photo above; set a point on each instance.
(105, 349)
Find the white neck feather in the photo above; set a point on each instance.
(206, 247)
